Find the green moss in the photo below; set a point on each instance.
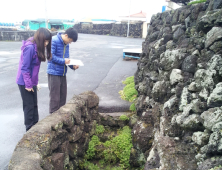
(123, 117)
(196, 2)
(129, 80)
(91, 149)
(90, 166)
(117, 149)
(129, 93)
(133, 107)
(99, 129)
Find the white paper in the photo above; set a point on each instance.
(75, 62)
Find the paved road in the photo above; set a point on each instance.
(103, 71)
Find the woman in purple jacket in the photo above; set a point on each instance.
(33, 53)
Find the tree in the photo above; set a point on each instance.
(181, 2)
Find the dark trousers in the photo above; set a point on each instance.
(30, 106)
(57, 92)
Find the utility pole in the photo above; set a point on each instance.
(46, 18)
(128, 20)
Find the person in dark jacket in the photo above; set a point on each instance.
(33, 53)
(57, 68)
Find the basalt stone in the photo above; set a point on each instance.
(217, 4)
(170, 45)
(216, 47)
(161, 91)
(133, 120)
(211, 117)
(168, 19)
(184, 14)
(210, 163)
(140, 104)
(154, 36)
(47, 163)
(205, 79)
(142, 135)
(153, 160)
(214, 146)
(182, 152)
(175, 17)
(195, 12)
(58, 161)
(189, 64)
(171, 59)
(215, 98)
(170, 108)
(137, 158)
(214, 64)
(167, 38)
(177, 34)
(200, 138)
(176, 76)
(187, 22)
(153, 75)
(167, 30)
(160, 50)
(175, 27)
(187, 77)
(206, 22)
(60, 137)
(206, 55)
(75, 134)
(215, 34)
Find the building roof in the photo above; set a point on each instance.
(139, 15)
(51, 21)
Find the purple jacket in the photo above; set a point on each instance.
(29, 65)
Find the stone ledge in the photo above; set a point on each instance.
(48, 144)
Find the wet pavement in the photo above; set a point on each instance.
(103, 72)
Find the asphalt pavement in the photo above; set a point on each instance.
(103, 72)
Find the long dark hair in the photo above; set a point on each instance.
(40, 36)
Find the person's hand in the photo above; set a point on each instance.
(67, 61)
(76, 67)
(29, 89)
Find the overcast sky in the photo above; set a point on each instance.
(18, 10)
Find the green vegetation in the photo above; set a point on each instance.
(90, 166)
(113, 151)
(99, 129)
(215, 168)
(196, 2)
(129, 93)
(123, 117)
(91, 152)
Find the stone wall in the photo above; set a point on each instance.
(60, 140)
(111, 29)
(15, 35)
(180, 90)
